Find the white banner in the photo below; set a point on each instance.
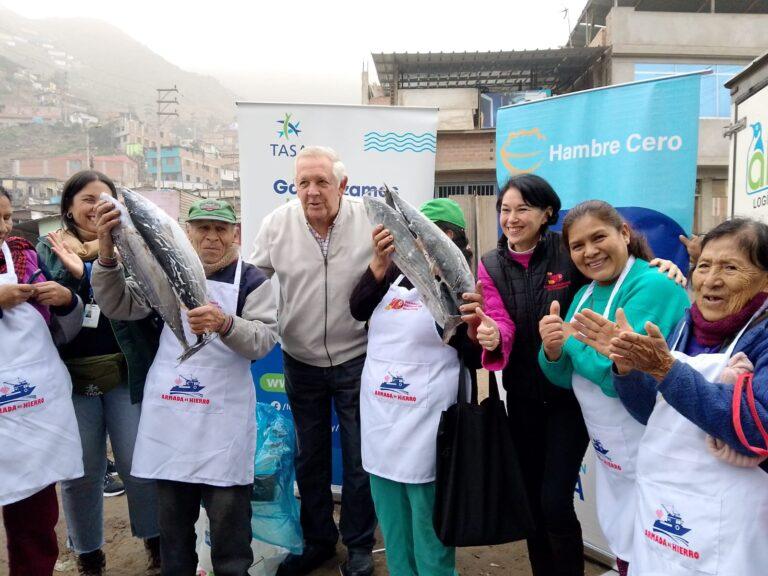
(378, 145)
(584, 502)
(749, 159)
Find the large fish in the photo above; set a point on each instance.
(140, 259)
(420, 253)
(448, 261)
(408, 257)
(172, 248)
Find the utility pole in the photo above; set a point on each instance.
(166, 106)
(63, 90)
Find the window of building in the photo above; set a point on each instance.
(466, 189)
(187, 177)
(715, 97)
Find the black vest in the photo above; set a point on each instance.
(527, 295)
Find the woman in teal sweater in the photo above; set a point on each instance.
(624, 290)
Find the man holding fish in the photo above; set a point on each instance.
(197, 431)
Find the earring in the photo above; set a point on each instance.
(69, 216)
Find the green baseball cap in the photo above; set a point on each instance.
(210, 209)
(444, 210)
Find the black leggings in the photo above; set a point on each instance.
(551, 440)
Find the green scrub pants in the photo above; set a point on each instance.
(405, 517)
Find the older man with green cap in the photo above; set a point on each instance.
(197, 433)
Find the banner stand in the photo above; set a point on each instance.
(378, 145)
(633, 145)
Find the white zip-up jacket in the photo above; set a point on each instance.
(314, 321)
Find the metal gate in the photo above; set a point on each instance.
(478, 202)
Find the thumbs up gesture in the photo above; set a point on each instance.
(554, 332)
(488, 335)
(473, 301)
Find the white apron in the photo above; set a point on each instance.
(410, 376)
(695, 513)
(38, 429)
(198, 420)
(615, 436)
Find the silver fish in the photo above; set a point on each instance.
(420, 253)
(155, 258)
(408, 256)
(172, 248)
(447, 259)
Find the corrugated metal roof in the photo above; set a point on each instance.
(554, 68)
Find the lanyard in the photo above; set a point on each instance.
(88, 270)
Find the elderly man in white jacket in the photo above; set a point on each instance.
(318, 246)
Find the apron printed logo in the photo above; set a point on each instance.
(602, 455)
(394, 388)
(400, 304)
(669, 531)
(17, 396)
(186, 390)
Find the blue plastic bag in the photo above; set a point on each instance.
(274, 507)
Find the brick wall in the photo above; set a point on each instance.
(461, 151)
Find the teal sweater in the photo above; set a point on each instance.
(645, 295)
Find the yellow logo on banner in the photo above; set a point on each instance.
(522, 162)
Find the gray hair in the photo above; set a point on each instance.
(339, 171)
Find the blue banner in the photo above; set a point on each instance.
(632, 145)
(269, 379)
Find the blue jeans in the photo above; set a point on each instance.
(83, 498)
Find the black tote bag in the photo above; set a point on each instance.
(479, 492)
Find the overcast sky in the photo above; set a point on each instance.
(259, 49)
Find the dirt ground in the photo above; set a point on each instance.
(125, 554)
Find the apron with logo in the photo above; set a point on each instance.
(695, 513)
(38, 429)
(410, 376)
(198, 418)
(615, 436)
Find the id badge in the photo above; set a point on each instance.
(91, 316)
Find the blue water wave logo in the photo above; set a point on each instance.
(400, 142)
